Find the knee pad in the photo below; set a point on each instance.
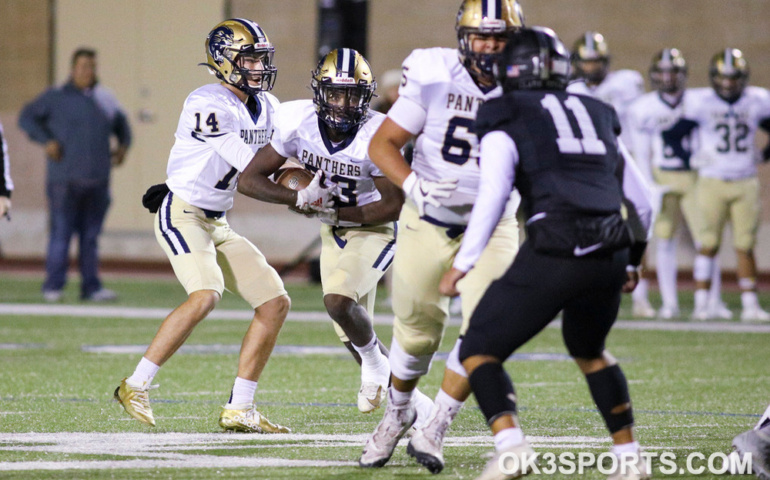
(453, 361)
(407, 367)
(609, 390)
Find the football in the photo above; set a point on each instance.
(294, 178)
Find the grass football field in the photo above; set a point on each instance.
(694, 387)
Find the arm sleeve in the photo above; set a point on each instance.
(637, 193)
(408, 114)
(230, 146)
(6, 184)
(499, 158)
(33, 119)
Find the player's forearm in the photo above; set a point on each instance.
(262, 188)
(374, 213)
(388, 158)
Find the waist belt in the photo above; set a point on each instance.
(452, 231)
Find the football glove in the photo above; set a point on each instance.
(423, 191)
(315, 197)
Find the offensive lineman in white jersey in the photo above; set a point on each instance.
(654, 119)
(441, 91)
(220, 129)
(620, 88)
(331, 134)
(728, 115)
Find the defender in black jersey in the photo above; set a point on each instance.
(563, 154)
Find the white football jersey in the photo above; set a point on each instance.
(215, 140)
(620, 88)
(446, 146)
(299, 133)
(726, 131)
(5, 165)
(651, 119)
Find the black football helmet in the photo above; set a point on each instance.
(343, 85)
(591, 58)
(729, 73)
(668, 71)
(484, 17)
(534, 59)
(229, 43)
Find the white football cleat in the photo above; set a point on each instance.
(427, 443)
(642, 309)
(631, 467)
(667, 313)
(524, 453)
(720, 310)
(755, 314)
(371, 396)
(700, 314)
(379, 447)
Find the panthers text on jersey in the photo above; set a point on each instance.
(727, 130)
(437, 85)
(620, 88)
(654, 123)
(215, 140)
(300, 133)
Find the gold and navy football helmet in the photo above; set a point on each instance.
(729, 73)
(233, 41)
(343, 85)
(591, 58)
(668, 71)
(485, 17)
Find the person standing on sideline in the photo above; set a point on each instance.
(221, 128)
(591, 62)
(440, 93)
(561, 151)
(6, 184)
(359, 234)
(654, 120)
(728, 115)
(76, 122)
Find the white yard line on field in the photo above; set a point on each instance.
(171, 450)
(105, 311)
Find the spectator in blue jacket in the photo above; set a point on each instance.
(76, 122)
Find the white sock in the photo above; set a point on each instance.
(666, 266)
(448, 403)
(701, 299)
(373, 362)
(749, 300)
(508, 437)
(640, 292)
(144, 373)
(715, 292)
(631, 447)
(243, 391)
(765, 418)
(399, 398)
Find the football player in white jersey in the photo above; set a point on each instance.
(220, 129)
(654, 118)
(620, 88)
(330, 134)
(441, 91)
(728, 115)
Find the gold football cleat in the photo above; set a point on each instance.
(136, 401)
(247, 419)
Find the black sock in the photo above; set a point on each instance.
(610, 390)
